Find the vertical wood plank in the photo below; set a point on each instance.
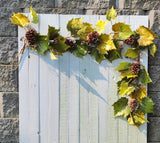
(88, 97)
(73, 86)
(28, 90)
(49, 88)
(123, 123)
(64, 90)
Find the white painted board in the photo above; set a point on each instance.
(69, 100)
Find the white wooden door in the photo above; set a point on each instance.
(69, 100)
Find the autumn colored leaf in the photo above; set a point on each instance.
(127, 73)
(52, 56)
(125, 89)
(34, 16)
(86, 28)
(123, 66)
(122, 31)
(74, 25)
(100, 26)
(132, 53)
(106, 44)
(111, 14)
(140, 93)
(121, 108)
(152, 49)
(20, 19)
(137, 118)
(146, 36)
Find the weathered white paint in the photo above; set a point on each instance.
(69, 100)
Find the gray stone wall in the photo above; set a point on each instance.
(9, 123)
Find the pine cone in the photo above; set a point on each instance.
(53, 42)
(130, 41)
(92, 37)
(70, 43)
(135, 67)
(31, 36)
(133, 104)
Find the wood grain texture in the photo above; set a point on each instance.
(69, 100)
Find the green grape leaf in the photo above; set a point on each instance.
(147, 105)
(132, 53)
(61, 47)
(137, 118)
(80, 50)
(111, 14)
(123, 66)
(86, 28)
(144, 76)
(106, 44)
(125, 89)
(146, 36)
(74, 25)
(140, 94)
(97, 56)
(121, 108)
(42, 42)
(34, 16)
(100, 26)
(52, 32)
(113, 55)
(152, 49)
(122, 31)
(20, 19)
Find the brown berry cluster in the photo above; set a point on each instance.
(130, 41)
(71, 43)
(31, 36)
(92, 37)
(133, 104)
(135, 67)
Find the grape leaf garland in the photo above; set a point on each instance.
(85, 39)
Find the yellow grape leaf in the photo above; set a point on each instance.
(100, 26)
(74, 25)
(20, 19)
(122, 31)
(111, 14)
(34, 16)
(123, 66)
(127, 73)
(152, 49)
(132, 53)
(53, 57)
(146, 36)
(125, 88)
(137, 118)
(141, 93)
(86, 28)
(106, 44)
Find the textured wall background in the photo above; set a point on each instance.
(9, 128)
